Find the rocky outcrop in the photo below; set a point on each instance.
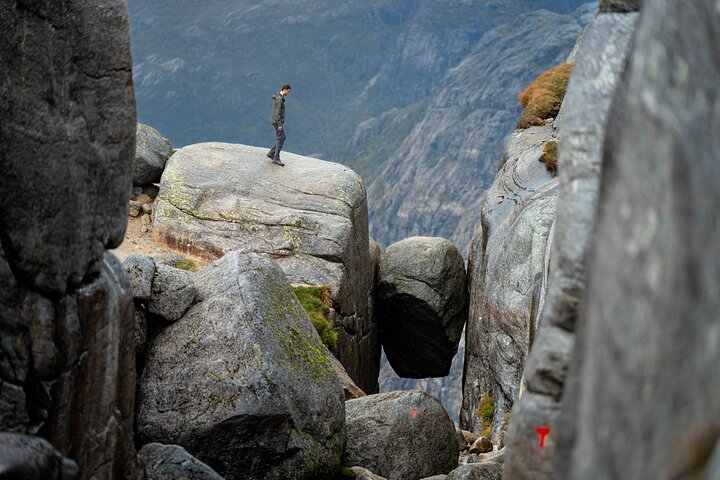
(67, 369)
(32, 458)
(310, 217)
(507, 272)
(172, 462)
(243, 381)
(490, 469)
(400, 435)
(421, 305)
(645, 364)
(599, 63)
(152, 151)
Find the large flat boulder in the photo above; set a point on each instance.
(507, 272)
(309, 216)
(400, 435)
(243, 381)
(645, 383)
(599, 64)
(421, 305)
(68, 137)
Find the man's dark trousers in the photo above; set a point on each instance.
(275, 150)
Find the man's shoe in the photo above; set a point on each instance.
(277, 161)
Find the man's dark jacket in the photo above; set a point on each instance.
(277, 114)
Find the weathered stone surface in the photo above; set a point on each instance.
(507, 271)
(140, 271)
(310, 216)
(243, 381)
(648, 368)
(489, 470)
(421, 305)
(68, 110)
(151, 154)
(172, 462)
(622, 6)
(397, 435)
(32, 458)
(173, 291)
(365, 474)
(600, 61)
(68, 369)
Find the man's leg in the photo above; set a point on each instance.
(271, 153)
(279, 143)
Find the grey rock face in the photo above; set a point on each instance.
(151, 154)
(351, 390)
(310, 217)
(400, 435)
(57, 358)
(421, 305)
(140, 271)
(620, 5)
(62, 132)
(243, 381)
(477, 471)
(600, 61)
(173, 291)
(172, 462)
(33, 458)
(507, 272)
(647, 372)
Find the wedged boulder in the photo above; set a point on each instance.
(599, 64)
(351, 390)
(243, 381)
(33, 458)
(172, 462)
(173, 291)
(507, 272)
(152, 151)
(140, 270)
(309, 216)
(645, 366)
(400, 435)
(421, 305)
(68, 138)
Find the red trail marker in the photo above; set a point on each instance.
(414, 413)
(542, 431)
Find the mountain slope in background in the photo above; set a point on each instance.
(406, 92)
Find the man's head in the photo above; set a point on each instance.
(285, 90)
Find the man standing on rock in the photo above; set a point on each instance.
(277, 118)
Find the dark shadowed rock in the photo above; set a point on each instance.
(310, 216)
(68, 369)
(140, 271)
(600, 61)
(243, 381)
(351, 390)
(68, 110)
(507, 272)
(24, 457)
(647, 372)
(400, 435)
(421, 305)
(172, 462)
(620, 5)
(152, 151)
(173, 291)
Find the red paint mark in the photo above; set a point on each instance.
(414, 413)
(542, 431)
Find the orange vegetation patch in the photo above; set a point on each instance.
(543, 97)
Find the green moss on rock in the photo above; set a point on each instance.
(314, 301)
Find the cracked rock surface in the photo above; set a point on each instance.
(309, 216)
